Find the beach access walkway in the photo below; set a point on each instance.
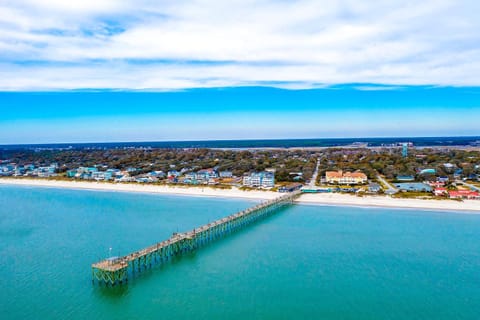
(116, 270)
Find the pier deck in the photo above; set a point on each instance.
(116, 270)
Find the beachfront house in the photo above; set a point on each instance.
(340, 177)
(19, 171)
(262, 179)
(45, 172)
(157, 174)
(374, 187)
(7, 170)
(226, 174)
(71, 173)
(204, 176)
(207, 174)
(173, 173)
(464, 194)
(102, 175)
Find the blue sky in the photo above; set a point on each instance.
(238, 113)
(108, 70)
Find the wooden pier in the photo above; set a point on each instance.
(116, 270)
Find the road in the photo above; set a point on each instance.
(313, 180)
(391, 189)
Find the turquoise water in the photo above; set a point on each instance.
(306, 262)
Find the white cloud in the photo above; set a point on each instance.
(170, 44)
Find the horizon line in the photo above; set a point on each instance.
(235, 140)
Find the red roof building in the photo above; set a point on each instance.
(464, 194)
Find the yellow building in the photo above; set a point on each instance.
(339, 177)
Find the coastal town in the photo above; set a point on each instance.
(401, 171)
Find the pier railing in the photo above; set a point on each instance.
(116, 270)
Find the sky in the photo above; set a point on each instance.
(238, 113)
(108, 70)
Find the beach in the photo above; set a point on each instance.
(334, 199)
(145, 188)
(466, 206)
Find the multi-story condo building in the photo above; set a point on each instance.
(259, 179)
(339, 177)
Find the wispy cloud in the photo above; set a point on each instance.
(55, 44)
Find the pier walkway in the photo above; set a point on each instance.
(116, 270)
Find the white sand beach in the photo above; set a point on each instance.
(144, 188)
(471, 206)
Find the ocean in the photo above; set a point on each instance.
(263, 143)
(304, 262)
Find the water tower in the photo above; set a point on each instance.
(404, 150)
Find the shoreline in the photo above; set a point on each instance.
(142, 188)
(329, 199)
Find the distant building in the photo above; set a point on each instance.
(436, 184)
(259, 179)
(339, 177)
(427, 171)
(405, 178)
(449, 167)
(443, 179)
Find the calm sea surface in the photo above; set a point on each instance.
(306, 262)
